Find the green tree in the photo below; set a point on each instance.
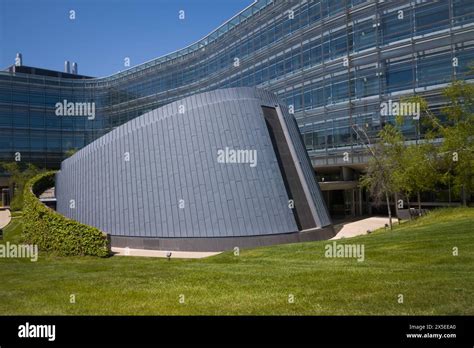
(378, 179)
(415, 162)
(416, 171)
(444, 155)
(397, 167)
(18, 176)
(454, 128)
(458, 144)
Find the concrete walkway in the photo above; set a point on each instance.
(357, 228)
(162, 253)
(5, 217)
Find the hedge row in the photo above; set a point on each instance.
(54, 232)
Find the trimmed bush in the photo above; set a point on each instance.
(54, 232)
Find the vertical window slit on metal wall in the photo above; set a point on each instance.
(294, 188)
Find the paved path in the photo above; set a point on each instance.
(161, 253)
(4, 218)
(359, 227)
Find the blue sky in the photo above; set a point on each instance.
(104, 31)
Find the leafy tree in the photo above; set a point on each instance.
(416, 168)
(456, 132)
(444, 155)
(396, 167)
(18, 176)
(458, 141)
(379, 180)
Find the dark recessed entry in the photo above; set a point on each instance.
(302, 212)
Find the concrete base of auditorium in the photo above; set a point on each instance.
(220, 243)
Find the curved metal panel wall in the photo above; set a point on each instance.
(158, 175)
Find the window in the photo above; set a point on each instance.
(296, 59)
(67, 122)
(399, 77)
(36, 99)
(288, 63)
(306, 58)
(431, 17)
(342, 136)
(326, 48)
(278, 31)
(330, 7)
(340, 91)
(258, 77)
(53, 122)
(67, 143)
(364, 35)
(463, 11)
(21, 141)
(316, 52)
(37, 119)
(317, 97)
(79, 141)
(307, 100)
(54, 143)
(319, 139)
(367, 83)
(5, 96)
(297, 100)
(339, 44)
(38, 143)
(466, 58)
(434, 69)
(308, 140)
(272, 71)
(395, 27)
(20, 117)
(21, 97)
(51, 100)
(304, 16)
(280, 69)
(6, 142)
(6, 117)
(314, 11)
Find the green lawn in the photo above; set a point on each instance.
(415, 260)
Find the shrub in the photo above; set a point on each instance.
(54, 232)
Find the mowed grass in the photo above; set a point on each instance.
(415, 260)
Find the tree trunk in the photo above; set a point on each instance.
(408, 205)
(12, 191)
(396, 204)
(419, 203)
(449, 191)
(389, 210)
(464, 198)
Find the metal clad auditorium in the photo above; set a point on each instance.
(209, 172)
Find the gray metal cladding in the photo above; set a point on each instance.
(159, 176)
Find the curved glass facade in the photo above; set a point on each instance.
(334, 61)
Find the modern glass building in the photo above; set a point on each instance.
(332, 61)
